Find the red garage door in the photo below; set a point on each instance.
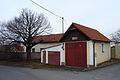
(54, 58)
(76, 54)
(44, 57)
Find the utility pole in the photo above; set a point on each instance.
(62, 18)
(62, 24)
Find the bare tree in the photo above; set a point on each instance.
(116, 36)
(24, 28)
(1, 39)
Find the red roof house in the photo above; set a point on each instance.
(85, 46)
(52, 38)
(79, 46)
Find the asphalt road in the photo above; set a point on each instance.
(17, 73)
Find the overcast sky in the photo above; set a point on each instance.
(103, 15)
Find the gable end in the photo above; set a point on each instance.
(74, 34)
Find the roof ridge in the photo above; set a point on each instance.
(83, 26)
(50, 34)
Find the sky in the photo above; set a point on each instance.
(102, 15)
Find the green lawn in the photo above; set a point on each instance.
(27, 64)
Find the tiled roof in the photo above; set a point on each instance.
(48, 38)
(91, 33)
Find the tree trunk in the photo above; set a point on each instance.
(28, 50)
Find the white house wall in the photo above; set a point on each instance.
(43, 45)
(91, 52)
(41, 56)
(46, 57)
(102, 56)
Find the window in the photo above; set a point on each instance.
(103, 47)
(33, 49)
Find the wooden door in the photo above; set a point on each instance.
(76, 54)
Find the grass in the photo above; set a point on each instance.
(27, 64)
(46, 66)
(3, 62)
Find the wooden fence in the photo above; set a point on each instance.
(112, 52)
(19, 56)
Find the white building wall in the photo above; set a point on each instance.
(41, 56)
(43, 45)
(46, 57)
(91, 52)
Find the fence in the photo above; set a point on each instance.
(19, 56)
(112, 52)
(115, 51)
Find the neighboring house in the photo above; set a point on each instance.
(115, 50)
(46, 41)
(80, 46)
(52, 47)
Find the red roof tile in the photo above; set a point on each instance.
(48, 38)
(91, 33)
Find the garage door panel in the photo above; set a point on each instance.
(76, 54)
(54, 58)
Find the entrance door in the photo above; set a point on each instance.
(76, 54)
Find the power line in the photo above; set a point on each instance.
(46, 9)
(51, 13)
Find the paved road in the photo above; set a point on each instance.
(16, 73)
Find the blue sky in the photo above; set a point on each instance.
(103, 15)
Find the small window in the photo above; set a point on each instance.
(33, 49)
(103, 47)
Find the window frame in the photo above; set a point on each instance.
(103, 47)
